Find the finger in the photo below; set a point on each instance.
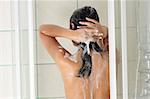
(91, 20)
(87, 24)
(97, 37)
(99, 34)
(81, 27)
(84, 27)
(89, 30)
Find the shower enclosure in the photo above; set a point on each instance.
(26, 70)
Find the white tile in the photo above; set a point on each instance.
(6, 48)
(55, 12)
(7, 82)
(5, 18)
(100, 6)
(50, 83)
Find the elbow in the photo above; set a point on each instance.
(46, 29)
(42, 29)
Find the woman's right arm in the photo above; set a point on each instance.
(57, 31)
(49, 32)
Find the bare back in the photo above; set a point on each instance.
(94, 87)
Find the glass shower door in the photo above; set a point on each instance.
(132, 42)
(142, 90)
(126, 45)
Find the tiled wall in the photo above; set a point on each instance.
(6, 56)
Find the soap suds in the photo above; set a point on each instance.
(73, 58)
(66, 55)
(84, 87)
(87, 46)
(91, 86)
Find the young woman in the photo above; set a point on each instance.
(87, 76)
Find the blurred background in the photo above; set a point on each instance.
(48, 81)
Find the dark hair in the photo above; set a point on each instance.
(77, 16)
(81, 14)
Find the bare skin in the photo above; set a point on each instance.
(99, 78)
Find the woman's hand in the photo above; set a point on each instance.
(95, 25)
(87, 34)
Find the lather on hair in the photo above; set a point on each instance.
(80, 15)
(86, 68)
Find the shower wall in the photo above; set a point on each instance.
(7, 67)
(137, 21)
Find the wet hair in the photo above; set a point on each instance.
(77, 16)
(81, 14)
